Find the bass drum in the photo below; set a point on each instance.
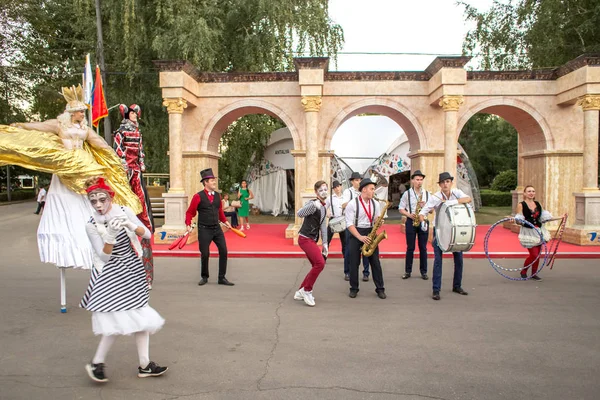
(338, 224)
(455, 227)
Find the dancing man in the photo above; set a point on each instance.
(129, 147)
(450, 197)
(207, 203)
(411, 203)
(349, 194)
(313, 226)
(361, 214)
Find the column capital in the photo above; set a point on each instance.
(451, 102)
(311, 103)
(589, 102)
(175, 105)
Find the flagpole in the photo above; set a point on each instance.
(107, 128)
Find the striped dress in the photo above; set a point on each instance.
(118, 292)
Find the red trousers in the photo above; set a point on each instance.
(315, 257)
(533, 254)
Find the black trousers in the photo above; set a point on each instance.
(355, 255)
(342, 234)
(40, 206)
(417, 234)
(206, 235)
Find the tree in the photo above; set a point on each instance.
(215, 35)
(520, 34)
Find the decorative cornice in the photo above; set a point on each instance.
(175, 105)
(234, 77)
(447, 62)
(311, 63)
(589, 102)
(378, 76)
(546, 74)
(311, 103)
(451, 103)
(200, 154)
(589, 60)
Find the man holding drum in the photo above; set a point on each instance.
(337, 222)
(411, 203)
(450, 197)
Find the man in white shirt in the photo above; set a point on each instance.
(352, 193)
(41, 200)
(450, 197)
(334, 209)
(361, 213)
(413, 199)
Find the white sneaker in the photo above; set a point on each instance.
(247, 226)
(308, 298)
(298, 294)
(242, 228)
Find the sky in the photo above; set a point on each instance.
(434, 27)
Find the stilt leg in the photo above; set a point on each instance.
(63, 291)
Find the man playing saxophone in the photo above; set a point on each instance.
(362, 214)
(410, 205)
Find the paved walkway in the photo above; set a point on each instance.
(506, 340)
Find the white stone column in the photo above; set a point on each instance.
(175, 107)
(450, 105)
(591, 113)
(312, 106)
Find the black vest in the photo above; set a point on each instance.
(311, 226)
(208, 213)
(529, 216)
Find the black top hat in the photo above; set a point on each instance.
(364, 183)
(335, 184)
(206, 174)
(355, 175)
(444, 176)
(417, 173)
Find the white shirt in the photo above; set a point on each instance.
(350, 194)
(363, 220)
(435, 200)
(410, 198)
(334, 205)
(41, 195)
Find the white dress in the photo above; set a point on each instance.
(62, 238)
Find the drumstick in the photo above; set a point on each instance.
(236, 231)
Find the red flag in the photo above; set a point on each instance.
(99, 109)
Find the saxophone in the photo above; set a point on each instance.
(416, 221)
(369, 249)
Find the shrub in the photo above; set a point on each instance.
(505, 181)
(492, 198)
(18, 195)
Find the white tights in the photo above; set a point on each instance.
(142, 341)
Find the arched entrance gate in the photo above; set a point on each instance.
(555, 111)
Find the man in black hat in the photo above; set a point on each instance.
(349, 194)
(361, 213)
(335, 210)
(450, 197)
(207, 203)
(411, 203)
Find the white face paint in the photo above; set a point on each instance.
(100, 201)
(322, 192)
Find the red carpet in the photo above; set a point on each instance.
(269, 241)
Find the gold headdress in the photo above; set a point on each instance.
(74, 97)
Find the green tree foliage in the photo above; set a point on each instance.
(505, 181)
(226, 35)
(518, 34)
(491, 144)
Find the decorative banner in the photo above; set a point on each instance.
(99, 109)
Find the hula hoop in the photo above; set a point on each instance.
(498, 267)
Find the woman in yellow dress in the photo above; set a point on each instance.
(72, 152)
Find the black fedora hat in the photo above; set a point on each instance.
(364, 183)
(355, 175)
(335, 184)
(417, 173)
(206, 174)
(444, 176)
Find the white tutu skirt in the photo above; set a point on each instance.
(62, 239)
(144, 319)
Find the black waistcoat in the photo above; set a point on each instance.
(208, 213)
(311, 226)
(529, 216)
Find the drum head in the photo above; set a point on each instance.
(443, 228)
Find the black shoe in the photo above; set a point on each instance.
(203, 281)
(406, 276)
(436, 295)
(424, 277)
(225, 282)
(459, 290)
(536, 278)
(523, 276)
(346, 277)
(381, 295)
(352, 294)
(96, 372)
(152, 369)
(365, 278)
